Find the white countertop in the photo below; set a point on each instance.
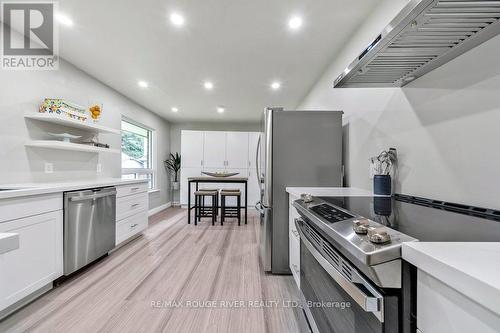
(28, 189)
(472, 269)
(329, 191)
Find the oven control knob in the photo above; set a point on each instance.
(307, 197)
(361, 226)
(379, 235)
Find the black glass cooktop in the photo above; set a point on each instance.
(425, 219)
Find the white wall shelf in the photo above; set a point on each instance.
(65, 121)
(60, 145)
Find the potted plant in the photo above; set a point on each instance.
(173, 164)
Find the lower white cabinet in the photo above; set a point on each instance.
(441, 308)
(185, 174)
(131, 226)
(131, 213)
(294, 241)
(37, 261)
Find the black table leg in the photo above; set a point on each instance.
(246, 201)
(189, 202)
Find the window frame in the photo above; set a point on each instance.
(137, 172)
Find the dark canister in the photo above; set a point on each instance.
(382, 185)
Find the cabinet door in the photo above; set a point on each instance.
(185, 174)
(192, 149)
(253, 139)
(214, 150)
(253, 188)
(38, 260)
(237, 150)
(294, 252)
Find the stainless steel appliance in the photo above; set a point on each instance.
(423, 36)
(351, 254)
(89, 226)
(296, 148)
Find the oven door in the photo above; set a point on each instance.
(337, 298)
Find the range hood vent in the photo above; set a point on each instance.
(424, 35)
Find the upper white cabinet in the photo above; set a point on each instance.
(237, 150)
(214, 150)
(253, 139)
(192, 149)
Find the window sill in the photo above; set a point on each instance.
(154, 190)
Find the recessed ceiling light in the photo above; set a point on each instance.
(275, 85)
(221, 109)
(64, 19)
(295, 22)
(142, 84)
(177, 19)
(208, 85)
(174, 109)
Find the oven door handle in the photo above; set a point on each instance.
(369, 303)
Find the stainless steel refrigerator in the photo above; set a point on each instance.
(296, 148)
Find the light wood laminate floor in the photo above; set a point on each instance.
(177, 263)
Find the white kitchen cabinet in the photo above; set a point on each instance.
(131, 213)
(293, 241)
(185, 174)
(237, 150)
(37, 261)
(441, 308)
(214, 150)
(192, 149)
(253, 138)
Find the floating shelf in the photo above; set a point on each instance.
(65, 121)
(60, 145)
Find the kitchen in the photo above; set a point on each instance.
(442, 123)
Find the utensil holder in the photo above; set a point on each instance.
(382, 185)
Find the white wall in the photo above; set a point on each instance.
(445, 125)
(22, 92)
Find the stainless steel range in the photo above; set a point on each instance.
(351, 254)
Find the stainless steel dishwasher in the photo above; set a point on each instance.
(89, 226)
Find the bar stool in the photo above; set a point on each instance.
(230, 211)
(200, 210)
(217, 198)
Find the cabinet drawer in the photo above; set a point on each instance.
(131, 205)
(131, 226)
(441, 308)
(16, 208)
(125, 190)
(294, 248)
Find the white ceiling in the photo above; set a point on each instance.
(241, 45)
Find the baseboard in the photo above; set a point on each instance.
(158, 209)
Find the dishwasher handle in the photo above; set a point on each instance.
(93, 196)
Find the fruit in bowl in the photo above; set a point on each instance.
(95, 112)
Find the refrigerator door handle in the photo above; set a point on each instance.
(257, 163)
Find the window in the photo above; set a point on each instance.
(137, 152)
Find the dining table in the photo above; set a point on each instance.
(218, 180)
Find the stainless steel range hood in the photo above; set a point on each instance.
(423, 36)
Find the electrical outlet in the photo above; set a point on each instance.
(49, 168)
(99, 167)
